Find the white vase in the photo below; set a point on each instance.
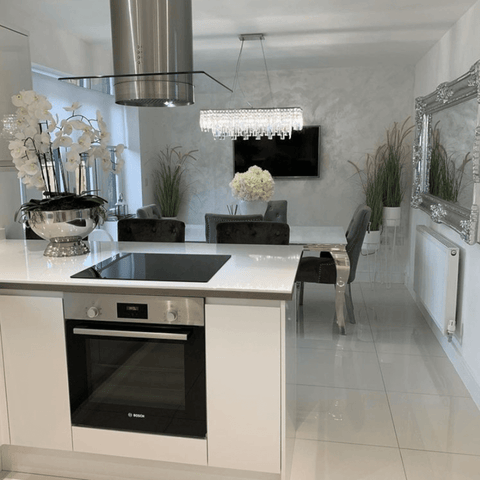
(391, 216)
(254, 207)
(371, 242)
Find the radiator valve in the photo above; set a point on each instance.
(451, 329)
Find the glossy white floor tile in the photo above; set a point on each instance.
(436, 423)
(336, 368)
(327, 336)
(344, 415)
(379, 295)
(420, 374)
(343, 461)
(28, 476)
(383, 401)
(407, 315)
(407, 340)
(440, 466)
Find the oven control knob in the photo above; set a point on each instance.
(93, 312)
(171, 315)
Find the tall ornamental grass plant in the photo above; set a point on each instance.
(394, 154)
(372, 185)
(170, 187)
(445, 179)
(382, 178)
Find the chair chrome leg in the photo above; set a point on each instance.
(349, 303)
(342, 264)
(300, 295)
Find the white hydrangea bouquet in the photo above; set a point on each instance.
(33, 150)
(254, 184)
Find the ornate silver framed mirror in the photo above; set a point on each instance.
(446, 155)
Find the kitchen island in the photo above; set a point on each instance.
(250, 327)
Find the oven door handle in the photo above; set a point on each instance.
(127, 334)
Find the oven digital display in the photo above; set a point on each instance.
(132, 310)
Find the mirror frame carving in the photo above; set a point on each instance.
(464, 221)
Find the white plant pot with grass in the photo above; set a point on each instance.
(391, 216)
(371, 242)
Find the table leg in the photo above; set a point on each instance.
(342, 264)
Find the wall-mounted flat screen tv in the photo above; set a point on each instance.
(294, 157)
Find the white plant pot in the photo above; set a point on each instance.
(371, 242)
(254, 207)
(391, 216)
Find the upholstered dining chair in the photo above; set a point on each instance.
(213, 219)
(322, 269)
(276, 211)
(150, 230)
(263, 233)
(149, 211)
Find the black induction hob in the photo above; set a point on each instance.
(158, 267)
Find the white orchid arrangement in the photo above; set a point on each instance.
(254, 184)
(32, 149)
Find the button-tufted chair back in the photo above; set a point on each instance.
(150, 230)
(149, 211)
(264, 233)
(213, 219)
(276, 211)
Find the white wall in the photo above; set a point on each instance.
(14, 75)
(354, 106)
(451, 57)
(50, 44)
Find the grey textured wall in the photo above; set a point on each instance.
(354, 106)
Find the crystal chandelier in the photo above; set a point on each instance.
(251, 122)
(9, 126)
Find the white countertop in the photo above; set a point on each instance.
(254, 271)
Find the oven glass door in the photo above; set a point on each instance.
(138, 378)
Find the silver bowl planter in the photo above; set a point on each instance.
(64, 229)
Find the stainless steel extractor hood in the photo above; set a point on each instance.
(150, 36)
(152, 55)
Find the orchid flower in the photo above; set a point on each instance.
(32, 148)
(75, 106)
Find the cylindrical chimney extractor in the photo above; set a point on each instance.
(152, 36)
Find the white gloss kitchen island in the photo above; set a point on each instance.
(250, 327)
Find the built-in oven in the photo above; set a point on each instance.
(137, 363)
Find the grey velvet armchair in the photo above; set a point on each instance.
(149, 211)
(259, 233)
(323, 270)
(276, 211)
(213, 219)
(150, 230)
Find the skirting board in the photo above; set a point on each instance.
(453, 354)
(103, 467)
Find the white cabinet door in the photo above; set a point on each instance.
(243, 354)
(33, 341)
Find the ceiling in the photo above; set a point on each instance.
(299, 34)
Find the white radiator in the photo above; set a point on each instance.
(436, 277)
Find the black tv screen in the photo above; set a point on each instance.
(297, 156)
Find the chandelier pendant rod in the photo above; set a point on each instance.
(266, 70)
(247, 122)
